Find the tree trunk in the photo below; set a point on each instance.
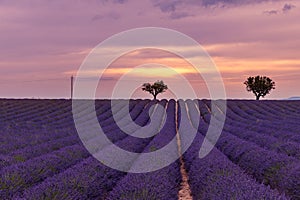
(154, 96)
(257, 97)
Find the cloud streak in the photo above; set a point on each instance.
(288, 7)
(172, 5)
(285, 9)
(271, 12)
(232, 2)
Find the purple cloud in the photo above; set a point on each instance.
(179, 15)
(271, 12)
(114, 1)
(119, 1)
(167, 5)
(171, 6)
(232, 2)
(288, 7)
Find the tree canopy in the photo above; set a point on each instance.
(155, 88)
(259, 85)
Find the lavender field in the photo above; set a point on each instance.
(256, 157)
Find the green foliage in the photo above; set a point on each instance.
(271, 174)
(19, 158)
(259, 85)
(155, 88)
(153, 148)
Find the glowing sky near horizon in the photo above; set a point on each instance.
(42, 43)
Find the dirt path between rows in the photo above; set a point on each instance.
(185, 191)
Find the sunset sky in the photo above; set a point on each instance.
(43, 43)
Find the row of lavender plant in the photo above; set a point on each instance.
(21, 155)
(142, 120)
(274, 109)
(13, 180)
(42, 110)
(277, 170)
(20, 131)
(282, 144)
(16, 178)
(15, 139)
(122, 112)
(113, 132)
(236, 115)
(48, 137)
(109, 127)
(10, 106)
(161, 184)
(85, 180)
(36, 113)
(23, 137)
(265, 109)
(215, 176)
(57, 112)
(263, 139)
(285, 128)
(248, 109)
(287, 123)
(89, 179)
(85, 114)
(235, 125)
(107, 118)
(32, 150)
(268, 142)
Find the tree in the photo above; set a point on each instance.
(155, 88)
(259, 85)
